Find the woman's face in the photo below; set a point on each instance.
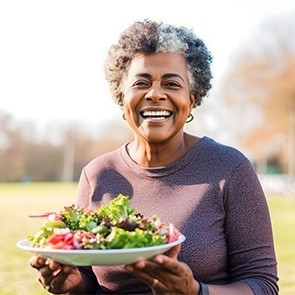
(157, 99)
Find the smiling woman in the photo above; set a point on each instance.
(158, 73)
(157, 103)
(151, 38)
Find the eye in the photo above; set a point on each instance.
(141, 83)
(171, 84)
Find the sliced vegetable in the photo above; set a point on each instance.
(112, 226)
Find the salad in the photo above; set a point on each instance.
(112, 226)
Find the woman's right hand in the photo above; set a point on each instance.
(55, 277)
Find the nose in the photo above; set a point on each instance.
(155, 92)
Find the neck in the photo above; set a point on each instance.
(160, 154)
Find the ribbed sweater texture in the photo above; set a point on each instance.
(212, 195)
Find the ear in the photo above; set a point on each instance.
(192, 100)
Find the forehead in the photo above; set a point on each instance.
(158, 63)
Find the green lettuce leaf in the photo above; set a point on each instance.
(116, 209)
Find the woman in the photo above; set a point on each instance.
(158, 73)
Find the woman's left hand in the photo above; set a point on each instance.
(165, 274)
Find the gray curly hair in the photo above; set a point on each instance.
(151, 37)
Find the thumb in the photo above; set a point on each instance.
(173, 252)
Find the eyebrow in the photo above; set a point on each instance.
(165, 76)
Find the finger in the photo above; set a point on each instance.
(37, 262)
(58, 279)
(154, 270)
(142, 274)
(173, 275)
(53, 271)
(170, 265)
(173, 252)
(45, 275)
(48, 271)
(147, 271)
(54, 266)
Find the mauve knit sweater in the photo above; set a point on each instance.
(212, 195)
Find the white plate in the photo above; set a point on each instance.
(99, 257)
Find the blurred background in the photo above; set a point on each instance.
(56, 112)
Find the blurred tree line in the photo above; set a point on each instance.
(259, 92)
(67, 148)
(258, 97)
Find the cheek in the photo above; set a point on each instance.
(131, 103)
(130, 113)
(185, 106)
(128, 108)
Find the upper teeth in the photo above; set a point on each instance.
(156, 113)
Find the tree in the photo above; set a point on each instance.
(12, 147)
(260, 90)
(59, 155)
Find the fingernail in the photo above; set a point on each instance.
(55, 273)
(140, 264)
(128, 268)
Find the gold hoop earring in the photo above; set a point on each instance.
(189, 118)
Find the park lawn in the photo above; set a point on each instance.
(20, 200)
(17, 202)
(283, 219)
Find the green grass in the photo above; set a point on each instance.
(19, 200)
(283, 219)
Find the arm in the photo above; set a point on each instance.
(251, 257)
(248, 232)
(84, 191)
(88, 284)
(174, 277)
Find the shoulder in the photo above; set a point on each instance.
(215, 149)
(104, 161)
(219, 157)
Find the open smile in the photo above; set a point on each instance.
(156, 114)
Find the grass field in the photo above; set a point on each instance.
(19, 200)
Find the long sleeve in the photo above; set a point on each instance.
(212, 195)
(249, 232)
(89, 277)
(84, 191)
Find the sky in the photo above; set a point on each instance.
(52, 52)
